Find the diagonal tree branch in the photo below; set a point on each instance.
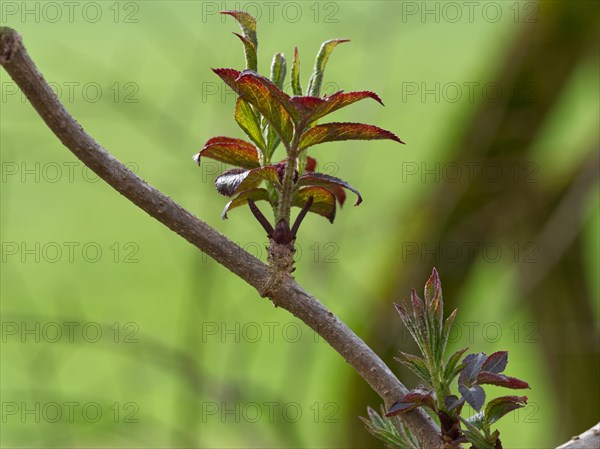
(286, 294)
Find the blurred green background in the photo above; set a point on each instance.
(118, 333)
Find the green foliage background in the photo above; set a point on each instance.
(538, 298)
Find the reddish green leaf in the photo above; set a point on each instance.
(248, 25)
(433, 288)
(237, 180)
(311, 164)
(230, 151)
(229, 76)
(496, 362)
(331, 183)
(305, 106)
(501, 380)
(419, 397)
(497, 408)
(243, 197)
(296, 88)
(323, 201)
(417, 306)
(249, 122)
(330, 132)
(265, 96)
(313, 108)
(314, 84)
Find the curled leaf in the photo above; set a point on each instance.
(248, 25)
(231, 151)
(316, 79)
(323, 201)
(236, 180)
(329, 182)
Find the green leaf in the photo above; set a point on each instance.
(230, 151)
(330, 132)
(249, 39)
(475, 437)
(296, 87)
(323, 201)
(236, 180)
(250, 52)
(314, 85)
(447, 328)
(450, 371)
(497, 408)
(278, 70)
(243, 197)
(417, 365)
(249, 122)
(384, 429)
(329, 182)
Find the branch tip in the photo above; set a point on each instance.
(10, 42)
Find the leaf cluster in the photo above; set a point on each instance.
(270, 117)
(425, 321)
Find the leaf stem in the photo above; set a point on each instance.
(287, 185)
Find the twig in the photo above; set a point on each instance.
(287, 294)
(589, 439)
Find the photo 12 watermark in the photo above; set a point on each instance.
(468, 92)
(273, 11)
(51, 172)
(70, 332)
(257, 332)
(469, 172)
(438, 11)
(527, 252)
(63, 12)
(470, 332)
(315, 252)
(269, 412)
(70, 412)
(68, 252)
(77, 91)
